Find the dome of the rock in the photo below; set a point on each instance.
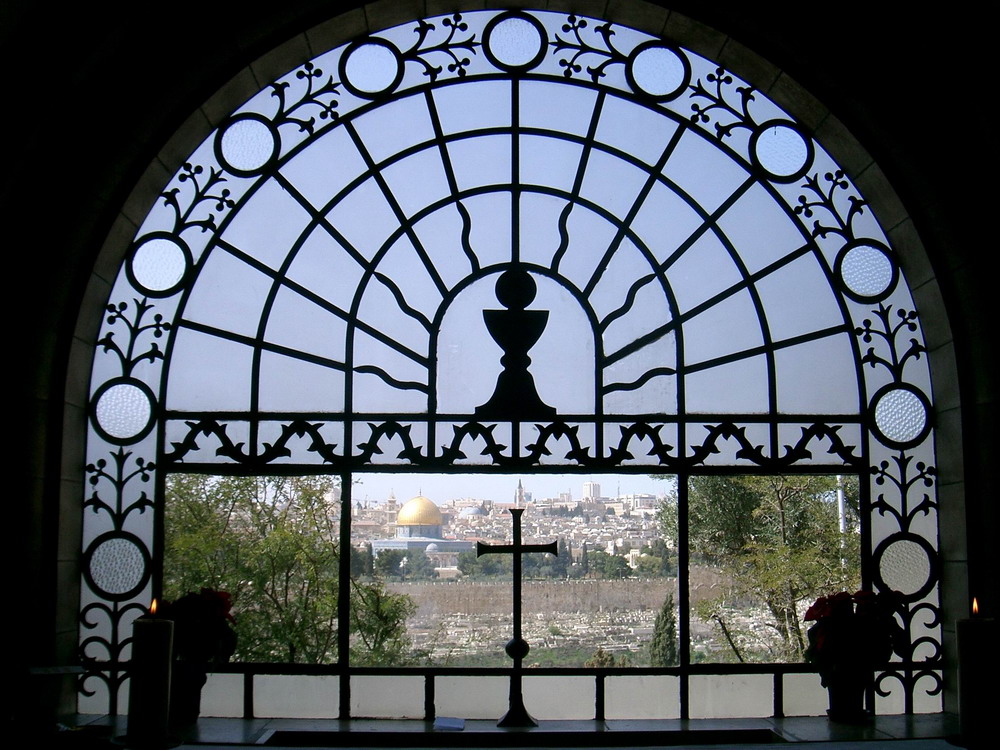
(420, 511)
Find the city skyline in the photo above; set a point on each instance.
(443, 488)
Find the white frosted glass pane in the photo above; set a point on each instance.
(760, 229)
(380, 310)
(658, 395)
(208, 373)
(611, 183)
(636, 130)
(804, 695)
(549, 162)
(364, 218)
(739, 387)
(117, 565)
(559, 697)
(123, 410)
(492, 108)
(417, 181)
(664, 222)
(440, 234)
(407, 271)
(649, 312)
(323, 266)
(300, 324)
(731, 696)
(296, 697)
(515, 41)
(626, 267)
(481, 160)
(782, 150)
(390, 697)
(589, 238)
(866, 270)
(658, 71)
(247, 144)
(725, 328)
(798, 299)
(228, 295)
(339, 163)
(705, 173)
(288, 384)
(159, 264)
(491, 227)
(550, 106)
(268, 225)
(223, 696)
(471, 697)
(371, 68)
(703, 271)
(818, 377)
(900, 415)
(395, 126)
(642, 697)
(540, 216)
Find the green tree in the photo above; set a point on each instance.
(776, 539)
(663, 646)
(273, 543)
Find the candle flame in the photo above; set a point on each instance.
(975, 606)
(152, 607)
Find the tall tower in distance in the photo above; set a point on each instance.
(591, 490)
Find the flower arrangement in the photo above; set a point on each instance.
(202, 636)
(202, 631)
(853, 634)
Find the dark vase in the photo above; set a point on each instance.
(847, 698)
(186, 682)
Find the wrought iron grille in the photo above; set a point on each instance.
(504, 241)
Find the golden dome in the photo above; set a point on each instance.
(420, 511)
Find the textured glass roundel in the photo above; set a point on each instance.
(117, 565)
(905, 567)
(866, 271)
(658, 71)
(372, 68)
(900, 415)
(516, 42)
(247, 144)
(158, 264)
(123, 411)
(781, 150)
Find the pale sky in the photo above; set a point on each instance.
(444, 487)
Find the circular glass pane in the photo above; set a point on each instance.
(866, 271)
(900, 415)
(515, 42)
(781, 150)
(117, 566)
(905, 567)
(372, 68)
(123, 411)
(159, 264)
(247, 145)
(658, 71)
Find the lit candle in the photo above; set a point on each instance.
(149, 687)
(977, 647)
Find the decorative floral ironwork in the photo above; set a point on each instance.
(578, 47)
(449, 46)
(720, 83)
(889, 334)
(128, 357)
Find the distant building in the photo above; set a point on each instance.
(419, 528)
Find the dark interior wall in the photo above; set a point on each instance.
(92, 93)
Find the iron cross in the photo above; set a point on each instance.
(517, 648)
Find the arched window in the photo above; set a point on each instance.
(510, 241)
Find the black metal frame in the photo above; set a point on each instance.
(203, 199)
